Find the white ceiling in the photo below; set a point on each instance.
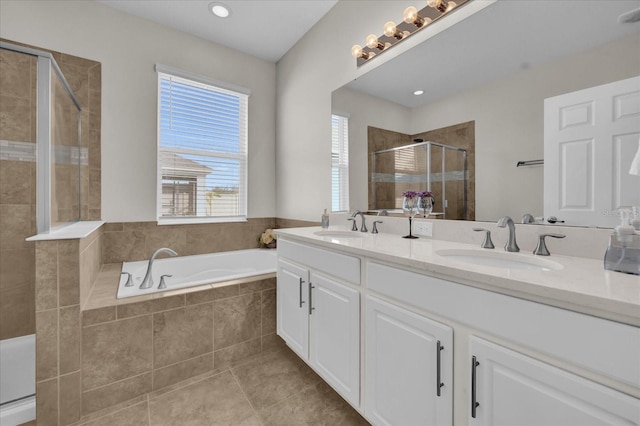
(266, 29)
(506, 37)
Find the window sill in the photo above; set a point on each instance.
(199, 220)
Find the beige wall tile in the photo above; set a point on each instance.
(115, 351)
(97, 316)
(13, 125)
(47, 403)
(46, 275)
(175, 373)
(182, 334)
(46, 344)
(259, 285)
(70, 398)
(120, 246)
(174, 237)
(17, 311)
(68, 272)
(115, 393)
(69, 339)
(156, 305)
(17, 267)
(236, 320)
(15, 77)
(15, 225)
(232, 354)
(95, 188)
(15, 182)
(268, 312)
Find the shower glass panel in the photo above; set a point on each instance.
(65, 160)
(425, 166)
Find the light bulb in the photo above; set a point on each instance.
(356, 51)
(373, 43)
(410, 15)
(390, 29)
(441, 5)
(450, 6)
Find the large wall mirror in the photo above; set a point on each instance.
(493, 72)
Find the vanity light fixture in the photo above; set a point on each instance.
(413, 20)
(221, 10)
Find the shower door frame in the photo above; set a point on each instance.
(44, 151)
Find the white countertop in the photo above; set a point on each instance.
(582, 285)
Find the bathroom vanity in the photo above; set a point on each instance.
(409, 334)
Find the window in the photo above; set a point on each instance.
(202, 150)
(339, 163)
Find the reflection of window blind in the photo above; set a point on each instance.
(202, 134)
(339, 163)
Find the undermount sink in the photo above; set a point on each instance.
(497, 259)
(340, 234)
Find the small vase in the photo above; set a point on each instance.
(272, 245)
(409, 207)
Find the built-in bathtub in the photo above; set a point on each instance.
(18, 384)
(196, 270)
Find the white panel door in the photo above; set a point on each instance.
(408, 367)
(335, 335)
(590, 139)
(292, 307)
(514, 389)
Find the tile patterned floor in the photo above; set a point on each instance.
(276, 389)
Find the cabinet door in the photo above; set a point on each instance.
(512, 388)
(405, 382)
(292, 307)
(335, 335)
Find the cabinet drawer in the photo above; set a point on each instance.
(338, 265)
(605, 347)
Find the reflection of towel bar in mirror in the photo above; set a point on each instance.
(530, 163)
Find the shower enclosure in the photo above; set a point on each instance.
(40, 180)
(424, 166)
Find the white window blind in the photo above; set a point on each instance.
(202, 151)
(339, 163)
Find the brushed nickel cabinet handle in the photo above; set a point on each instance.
(439, 383)
(474, 403)
(300, 296)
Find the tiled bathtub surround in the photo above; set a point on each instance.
(132, 349)
(64, 269)
(131, 241)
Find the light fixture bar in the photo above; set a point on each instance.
(413, 21)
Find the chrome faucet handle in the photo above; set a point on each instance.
(162, 284)
(541, 248)
(375, 226)
(354, 227)
(129, 282)
(486, 243)
(363, 227)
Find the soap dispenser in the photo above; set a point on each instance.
(623, 252)
(325, 219)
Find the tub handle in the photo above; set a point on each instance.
(163, 285)
(129, 282)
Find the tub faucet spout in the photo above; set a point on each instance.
(147, 282)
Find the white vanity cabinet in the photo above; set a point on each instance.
(509, 388)
(318, 313)
(408, 367)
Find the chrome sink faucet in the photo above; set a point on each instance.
(147, 282)
(363, 227)
(511, 244)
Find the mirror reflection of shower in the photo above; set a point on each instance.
(422, 166)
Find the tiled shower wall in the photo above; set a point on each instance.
(18, 174)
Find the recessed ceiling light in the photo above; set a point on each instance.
(221, 10)
(418, 92)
